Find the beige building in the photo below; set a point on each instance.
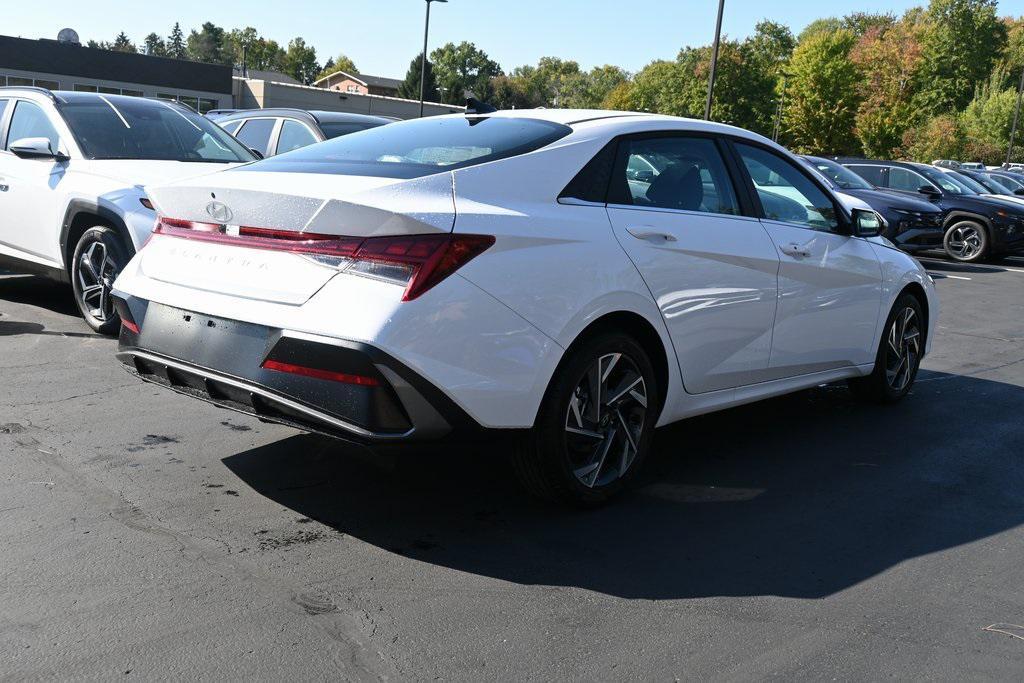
(253, 93)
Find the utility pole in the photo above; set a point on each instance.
(714, 61)
(245, 60)
(423, 61)
(779, 108)
(1016, 113)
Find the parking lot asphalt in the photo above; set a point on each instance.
(149, 535)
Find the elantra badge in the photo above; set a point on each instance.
(219, 211)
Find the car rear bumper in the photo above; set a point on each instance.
(339, 388)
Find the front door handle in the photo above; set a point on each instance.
(4, 186)
(651, 235)
(796, 249)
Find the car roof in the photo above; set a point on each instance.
(309, 115)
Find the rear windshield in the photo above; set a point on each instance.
(134, 128)
(335, 129)
(411, 149)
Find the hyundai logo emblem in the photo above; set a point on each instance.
(219, 211)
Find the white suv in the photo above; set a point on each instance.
(72, 170)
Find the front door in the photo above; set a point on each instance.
(830, 284)
(712, 271)
(28, 203)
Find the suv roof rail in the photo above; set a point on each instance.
(33, 88)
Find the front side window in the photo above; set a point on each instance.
(906, 180)
(420, 147)
(946, 181)
(114, 127)
(255, 134)
(294, 135)
(786, 194)
(844, 178)
(680, 173)
(30, 121)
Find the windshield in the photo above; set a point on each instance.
(843, 177)
(115, 127)
(947, 181)
(411, 149)
(971, 183)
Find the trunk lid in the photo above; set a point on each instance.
(291, 205)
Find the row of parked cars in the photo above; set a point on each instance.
(564, 280)
(974, 215)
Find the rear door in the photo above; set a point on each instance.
(830, 284)
(259, 134)
(712, 271)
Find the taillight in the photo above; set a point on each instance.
(304, 371)
(418, 262)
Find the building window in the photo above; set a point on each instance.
(206, 105)
(352, 88)
(19, 82)
(106, 90)
(166, 96)
(81, 87)
(132, 93)
(49, 85)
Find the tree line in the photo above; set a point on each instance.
(936, 82)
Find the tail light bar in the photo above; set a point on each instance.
(417, 262)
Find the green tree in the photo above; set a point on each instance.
(510, 92)
(939, 137)
(989, 115)
(620, 99)
(822, 99)
(860, 23)
(155, 46)
(207, 45)
(123, 44)
(300, 61)
(410, 87)
(890, 59)
(463, 67)
(176, 43)
(340, 63)
(961, 42)
(823, 25)
(658, 88)
(587, 90)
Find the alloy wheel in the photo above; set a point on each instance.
(904, 349)
(605, 419)
(96, 275)
(965, 242)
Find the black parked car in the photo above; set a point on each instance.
(912, 223)
(276, 131)
(975, 227)
(995, 184)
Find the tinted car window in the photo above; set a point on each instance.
(904, 179)
(970, 182)
(255, 134)
(30, 121)
(420, 147)
(873, 174)
(1011, 184)
(113, 127)
(843, 177)
(678, 173)
(294, 135)
(787, 194)
(231, 126)
(338, 128)
(3, 108)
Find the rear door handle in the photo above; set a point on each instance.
(796, 249)
(651, 235)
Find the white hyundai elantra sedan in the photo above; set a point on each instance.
(567, 279)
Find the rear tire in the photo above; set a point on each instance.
(966, 241)
(98, 259)
(595, 424)
(899, 355)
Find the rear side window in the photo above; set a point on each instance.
(294, 135)
(255, 134)
(30, 121)
(335, 129)
(420, 147)
(3, 109)
(674, 172)
(873, 174)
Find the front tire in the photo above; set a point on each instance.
(899, 355)
(98, 259)
(966, 241)
(595, 425)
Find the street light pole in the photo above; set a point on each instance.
(1016, 113)
(778, 109)
(423, 61)
(714, 61)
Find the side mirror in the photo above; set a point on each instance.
(256, 153)
(928, 190)
(866, 223)
(35, 148)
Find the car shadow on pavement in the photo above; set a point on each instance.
(36, 290)
(800, 496)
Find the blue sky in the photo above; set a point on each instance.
(382, 36)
